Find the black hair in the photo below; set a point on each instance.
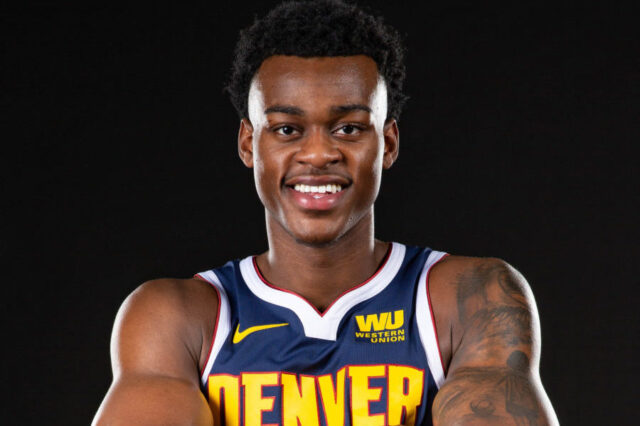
(315, 29)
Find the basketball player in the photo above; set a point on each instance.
(329, 326)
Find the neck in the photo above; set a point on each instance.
(321, 272)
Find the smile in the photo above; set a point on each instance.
(321, 189)
(317, 197)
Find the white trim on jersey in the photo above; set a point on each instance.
(323, 326)
(223, 324)
(426, 326)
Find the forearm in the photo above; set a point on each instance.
(492, 396)
(152, 400)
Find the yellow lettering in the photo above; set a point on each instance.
(362, 394)
(399, 320)
(372, 320)
(228, 385)
(405, 394)
(254, 402)
(333, 398)
(359, 334)
(400, 338)
(299, 404)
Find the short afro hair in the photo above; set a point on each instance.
(316, 29)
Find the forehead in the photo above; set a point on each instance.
(317, 82)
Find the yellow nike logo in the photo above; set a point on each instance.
(238, 335)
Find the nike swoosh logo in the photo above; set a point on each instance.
(238, 335)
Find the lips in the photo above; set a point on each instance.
(309, 192)
(314, 200)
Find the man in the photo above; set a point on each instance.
(330, 325)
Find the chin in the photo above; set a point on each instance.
(316, 236)
(316, 240)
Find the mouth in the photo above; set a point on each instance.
(319, 193)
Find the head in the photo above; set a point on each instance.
(317, 86)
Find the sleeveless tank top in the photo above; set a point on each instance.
(371, 358)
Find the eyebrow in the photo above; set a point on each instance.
(339, 109)
(285, 109)
(350, 107)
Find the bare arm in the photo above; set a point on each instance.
(156, 347)
(493, 376)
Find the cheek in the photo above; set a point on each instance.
(267, 172)
(375, 158)
(260, 155)
(260, 174)
(371, 170)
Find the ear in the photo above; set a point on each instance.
(245, 142)
(391, 143)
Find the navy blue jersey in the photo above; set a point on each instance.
(371, 358)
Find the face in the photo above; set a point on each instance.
(317, 141)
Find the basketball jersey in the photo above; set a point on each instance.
(371, 358)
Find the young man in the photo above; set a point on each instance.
(330, 326)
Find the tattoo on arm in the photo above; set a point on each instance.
(496, 394)
(492, 309)
(474, 289)
(482, 407)
(520, 400)
(490, 380)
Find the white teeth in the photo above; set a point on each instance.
(322, 189)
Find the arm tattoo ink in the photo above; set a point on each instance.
(520, 400)
(482, 407)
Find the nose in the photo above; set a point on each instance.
(318, 149)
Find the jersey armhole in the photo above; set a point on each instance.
(426, 320)
(222, 326)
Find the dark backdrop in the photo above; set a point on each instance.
(120, 165)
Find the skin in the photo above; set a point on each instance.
(312, 118)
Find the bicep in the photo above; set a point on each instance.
(493, 376)
(155, 351)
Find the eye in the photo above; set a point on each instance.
(285, 130)
(349, 130)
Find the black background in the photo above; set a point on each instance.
(120, 165)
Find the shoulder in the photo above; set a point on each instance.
(170, 294)
(162, 315)
(171, 300)
(478, 290)
(468, 275)
(459, 277)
